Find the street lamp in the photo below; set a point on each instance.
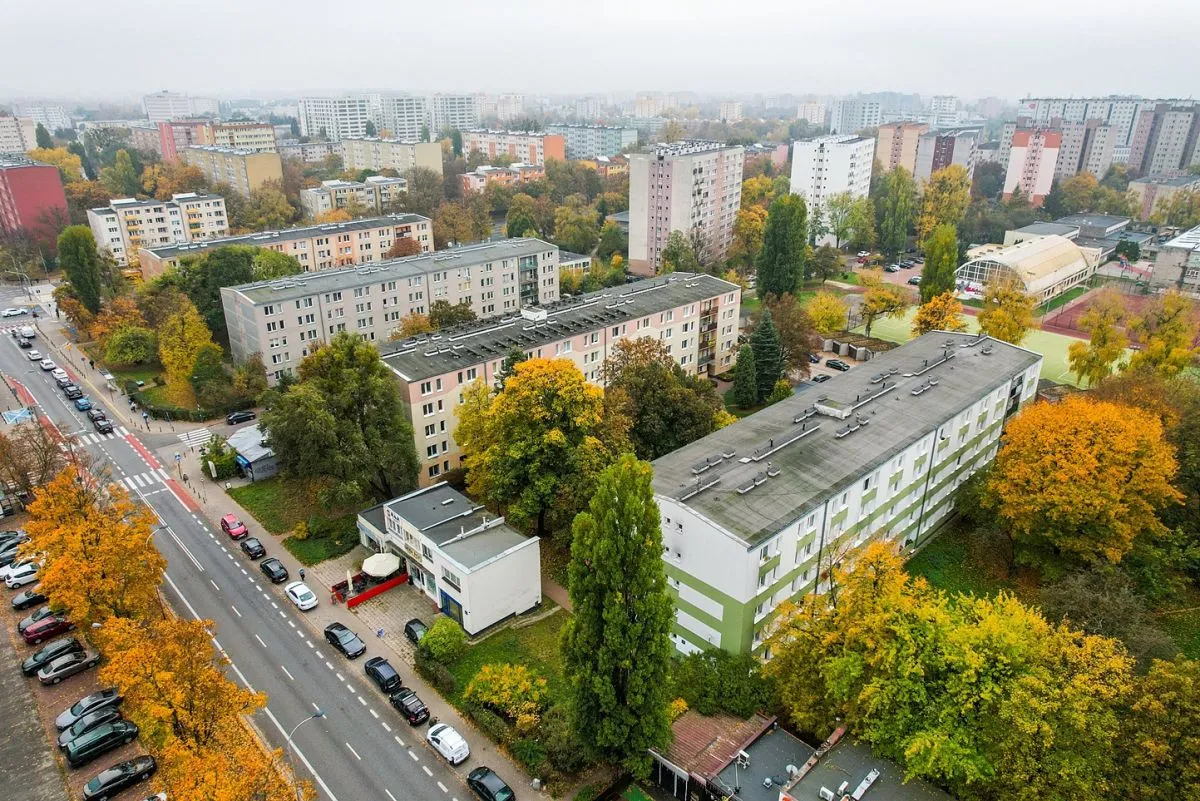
(288, 745)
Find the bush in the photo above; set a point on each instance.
(563, 748)
(677, 708)
(131, 345)
(488, 722)
(530, 753)
(435, 673)
(223, 457)
(512, 690)
(445, 640)
(716, 681)
(587, 792)
(301, 531)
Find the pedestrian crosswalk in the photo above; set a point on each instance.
(92, 439)
(143, 481)
(197, 437)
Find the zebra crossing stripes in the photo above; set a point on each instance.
(197, 437)
(142, 481)
(92, 439)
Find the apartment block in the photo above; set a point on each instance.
(31, 198)
(692, 186)
(127, 225)
(757, 513)
(1032, 159)
(695, 316)
(334, 118)
(163, 106)
(256, 136)
(1154, 190)
(1166, 140)
(400, 116)
(244, 170)
(316, 247)
(731, 111)
(896, 145)
(169, 137)
(1120, 113)
(308, 151)
(812, 112)
(524, 146)
(17, 134)
(377, 193)
(937, 150)
(830, 165)
(52, 118)
(607, 166)
(1177, 265)
(454, 112)
(374, 153)
(851, 115)
(589, 141)
(513, 175)
(282, 319)
(1086, 147)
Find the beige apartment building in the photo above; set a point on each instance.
(256, 136)
(244, 170)
(377, 193)
(896, 144)
(281, 319)
(17, 134)
(373, 153)
(316, 247)
(127, 226)
(526, 146)
(695, 316)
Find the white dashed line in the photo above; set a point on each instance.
(215, 587)
(361, 700)
(399, 742)
(282, 613)
(292, 623)
(414, 756)
(389, 792)
(309, 644)
(244, 573)
(274, 604)
(329, 665)
(442, 787)
(356, 756)
(374, 714)
(341, 677)
(428, 772)
(314, 703)
(235, 610)
(385, 726)
(289, 675)
(260, 641)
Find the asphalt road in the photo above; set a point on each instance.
(362, 750)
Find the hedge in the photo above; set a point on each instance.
(163, 411)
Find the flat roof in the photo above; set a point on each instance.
(1093, 220)
(229, 151)
(455, 349)
(1167, 180)
(1188, 240)
(12, 160)
(248, 442)
(385, 139)
(299, 286)
(687, 147)
(770, 756)
(552, 128)
(565, 256)
(767, 470)
(853, 762)
(261, 238)
(461, 528)
(1049, 229)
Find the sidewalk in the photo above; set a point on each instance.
(366, 620)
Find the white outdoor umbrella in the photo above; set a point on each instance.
(381, 565)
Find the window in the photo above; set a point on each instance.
(450, 579)
(426, 553)
(430, 430)
(426, 387)
(431, 452)
(427, 409)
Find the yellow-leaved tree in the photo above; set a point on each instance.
(181, 336)
(1166, 332)
(1093, 361)
(827, 312)
(1007, 312)
(945, 201)
(941, 313)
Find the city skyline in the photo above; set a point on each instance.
(926, 50)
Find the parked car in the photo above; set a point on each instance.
(15, 564)
(121, 776)
(345, 640)
(59, 373)
(100, 740)
(383, 674)
(14, 312)
(45, 629)
(253, 548)
(862, 254)
(87, 705)
(23, 343)
(235, 528)
(837, 364)
(299, 594)
(28, 598)
(8, 554)
(449, 743)
(414, 630)
(25, 574)
(915, 280)
(892, 268)
(410, 706)
(484, 782)
(103, 425)
(39, 614)
(87, 723)
(34, 356)
(72, 392)
(83, 404)
(50, 652)
(814, 358)
(67, 666)
(63, 382)
(47, 364)
(274, 570)
(96, 413)
(821, 378)
(244, 416)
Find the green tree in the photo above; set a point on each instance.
(947, 195)
(941, 262)
(130, 345)
(826, 263)
(201, 278)
(520, 220)
(895, 207)
(267, 209)
(43, 137)
(122, 179)
(442, 314)
(268, 264)
(576, 225)
(768, 355)
(344, 421)
(616, 645)
(1159, 751)
(514, 357)
(862, 224)
(839, 211)
(781, 262)
(1129, 249)
(745, 379)
(445, 641)
(679, 255)
(612, 241)
(208, 377)
(78, 258)
(797, 334)
(1007, 312)
(425, 192)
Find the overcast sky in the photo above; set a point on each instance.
(121, 49)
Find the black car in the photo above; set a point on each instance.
(87, 723)
(87, 705)
(274, 570)
(252, 547)
(383, 674)
(41, 613)
(820, 379)
(814, 358)
(408, 704)
(95, 413)
(24, 343)
(121, 776)
(837, 364)
(414, 630)
(28, 598)
(51, 651)
(244, 416)
(484, 782)
(345, 640)
(63, 382)
(72, 392)
(99, 741)
(103, 426)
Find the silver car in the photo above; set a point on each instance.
(67, 666)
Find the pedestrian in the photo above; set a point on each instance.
(379, 633)
(302, 574)
(92, 363)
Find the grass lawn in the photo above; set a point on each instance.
(1062, 300)
(279, 505)
(949, 563)
(750, 303)
(535, 646)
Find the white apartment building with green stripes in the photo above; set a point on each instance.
(754, 513)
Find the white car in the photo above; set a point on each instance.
(25, 574)
(299, 594)
(48, 364)
(8, 570)
(58, 372)
(34, 356)
(449, 743)
(14, 312)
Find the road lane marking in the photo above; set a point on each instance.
(314, 703)
(428, 772)
(399, 742)
(414, 756)
(309, 644)
(354, 752)
(442, 787)
(361, 700)
(235, 610)
(341, 677)
(374, 714)
(291, 623)
(389, 793)
(385, 726)
(329, 665)
(282, 613)
(260, 641)
(289, 675)
(274, 604)
(215, 587)
(303, 758)
(185, 550)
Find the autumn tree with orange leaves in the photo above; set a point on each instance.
(1081, 479)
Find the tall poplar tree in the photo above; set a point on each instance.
(79, 260)
(616, 646)
(941, 261)
(780, 263)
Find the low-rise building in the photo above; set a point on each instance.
(31, 198)
(695, 316)
(316, 247)
(378, 193)
(756, 513)
(243, 170)
(283, 319)
(1157, 190)
(576, 263)
(843, 767)
(373, 153)
(1046, 266)
(607, 166)
(589, 141)
(1178, 263)
(254, 457)
(127, 226)
(776, 154)
(532, 147)
(513, 175)
(474, 567)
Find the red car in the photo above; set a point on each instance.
(46, 628)
(235, 528)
